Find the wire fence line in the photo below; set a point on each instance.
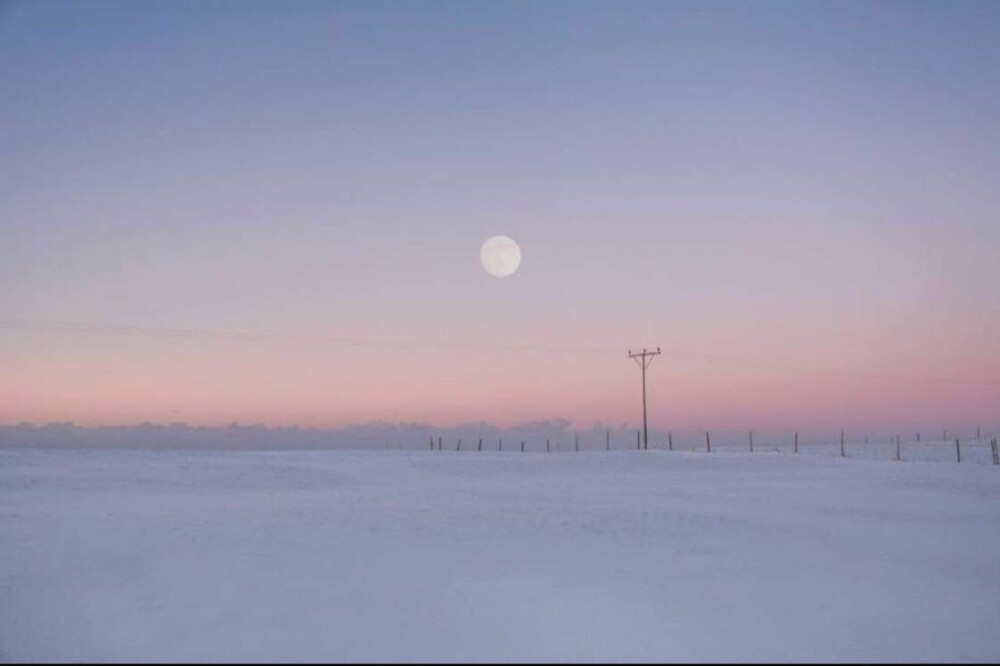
(978, 446)
(974, 449)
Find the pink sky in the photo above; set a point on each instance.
(107, 380)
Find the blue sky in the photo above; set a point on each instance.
(798, 183)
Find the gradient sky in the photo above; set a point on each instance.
(797, 200)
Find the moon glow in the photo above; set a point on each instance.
(500, 256)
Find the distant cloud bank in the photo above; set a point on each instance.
(560, 434)
(377, 435)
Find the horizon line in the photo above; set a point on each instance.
(557, 424)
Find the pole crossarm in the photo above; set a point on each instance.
(644, 358)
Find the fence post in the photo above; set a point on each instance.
(547, 447)
(480, 443)
(796, 442)
(944, 435)
(576, 442)
(432, 443)
(670, 441)
(607, 440)
(439, 443)
(500, 448)
(708, 442)
(522, 446)
(751, 441)
(996, 454)
(842, 455)
(897, 449)
(958, 451)
(459, 446)
(638, 442)
(977, 433)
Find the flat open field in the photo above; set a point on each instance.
(410, 556)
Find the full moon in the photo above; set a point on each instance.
(500, 256)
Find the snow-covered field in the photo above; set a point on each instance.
(415, 556)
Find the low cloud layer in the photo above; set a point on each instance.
(559, 433)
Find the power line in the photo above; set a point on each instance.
(748, 364)
(248, 337)
(209, 335)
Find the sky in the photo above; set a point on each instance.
(796, 201)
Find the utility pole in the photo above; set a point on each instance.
(644, 360)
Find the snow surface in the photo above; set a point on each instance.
(415, 556)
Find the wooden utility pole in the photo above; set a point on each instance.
(644, 360)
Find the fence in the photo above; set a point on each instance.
(964, 450)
